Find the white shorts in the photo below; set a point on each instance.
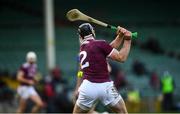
(90, 92)
(26, 91)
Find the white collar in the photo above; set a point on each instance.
(86, 38)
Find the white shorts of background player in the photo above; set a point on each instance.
(26, 91)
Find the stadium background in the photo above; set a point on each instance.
(157, 48)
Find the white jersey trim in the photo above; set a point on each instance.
(25, 65)
(111, 52)
(84, 41)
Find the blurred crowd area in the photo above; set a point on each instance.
(57, 93)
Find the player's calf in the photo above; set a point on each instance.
(38, 103)
(37, 107)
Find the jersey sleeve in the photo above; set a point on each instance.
(22, 68)
(106, 48)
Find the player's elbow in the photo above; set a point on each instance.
(20, 75)
(119, 56)
(122, 58)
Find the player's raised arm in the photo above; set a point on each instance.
(123, 53)
(119, 38)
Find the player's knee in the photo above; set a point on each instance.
(21, 108)
(40, 104)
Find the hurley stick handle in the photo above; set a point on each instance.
(133, 35)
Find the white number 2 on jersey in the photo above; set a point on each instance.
(84, 55)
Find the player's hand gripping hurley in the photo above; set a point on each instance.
(75, 15)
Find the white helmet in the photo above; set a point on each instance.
(31, 56)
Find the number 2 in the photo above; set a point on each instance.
(84, 55)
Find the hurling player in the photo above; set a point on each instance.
(95, 83)
(26, 77)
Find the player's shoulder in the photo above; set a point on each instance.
(100, 42)
(25, 65)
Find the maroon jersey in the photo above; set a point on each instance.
(29, 70)
(93, 55)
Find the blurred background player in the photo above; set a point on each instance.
(167, 87)
(26, 77)
(95, 83)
